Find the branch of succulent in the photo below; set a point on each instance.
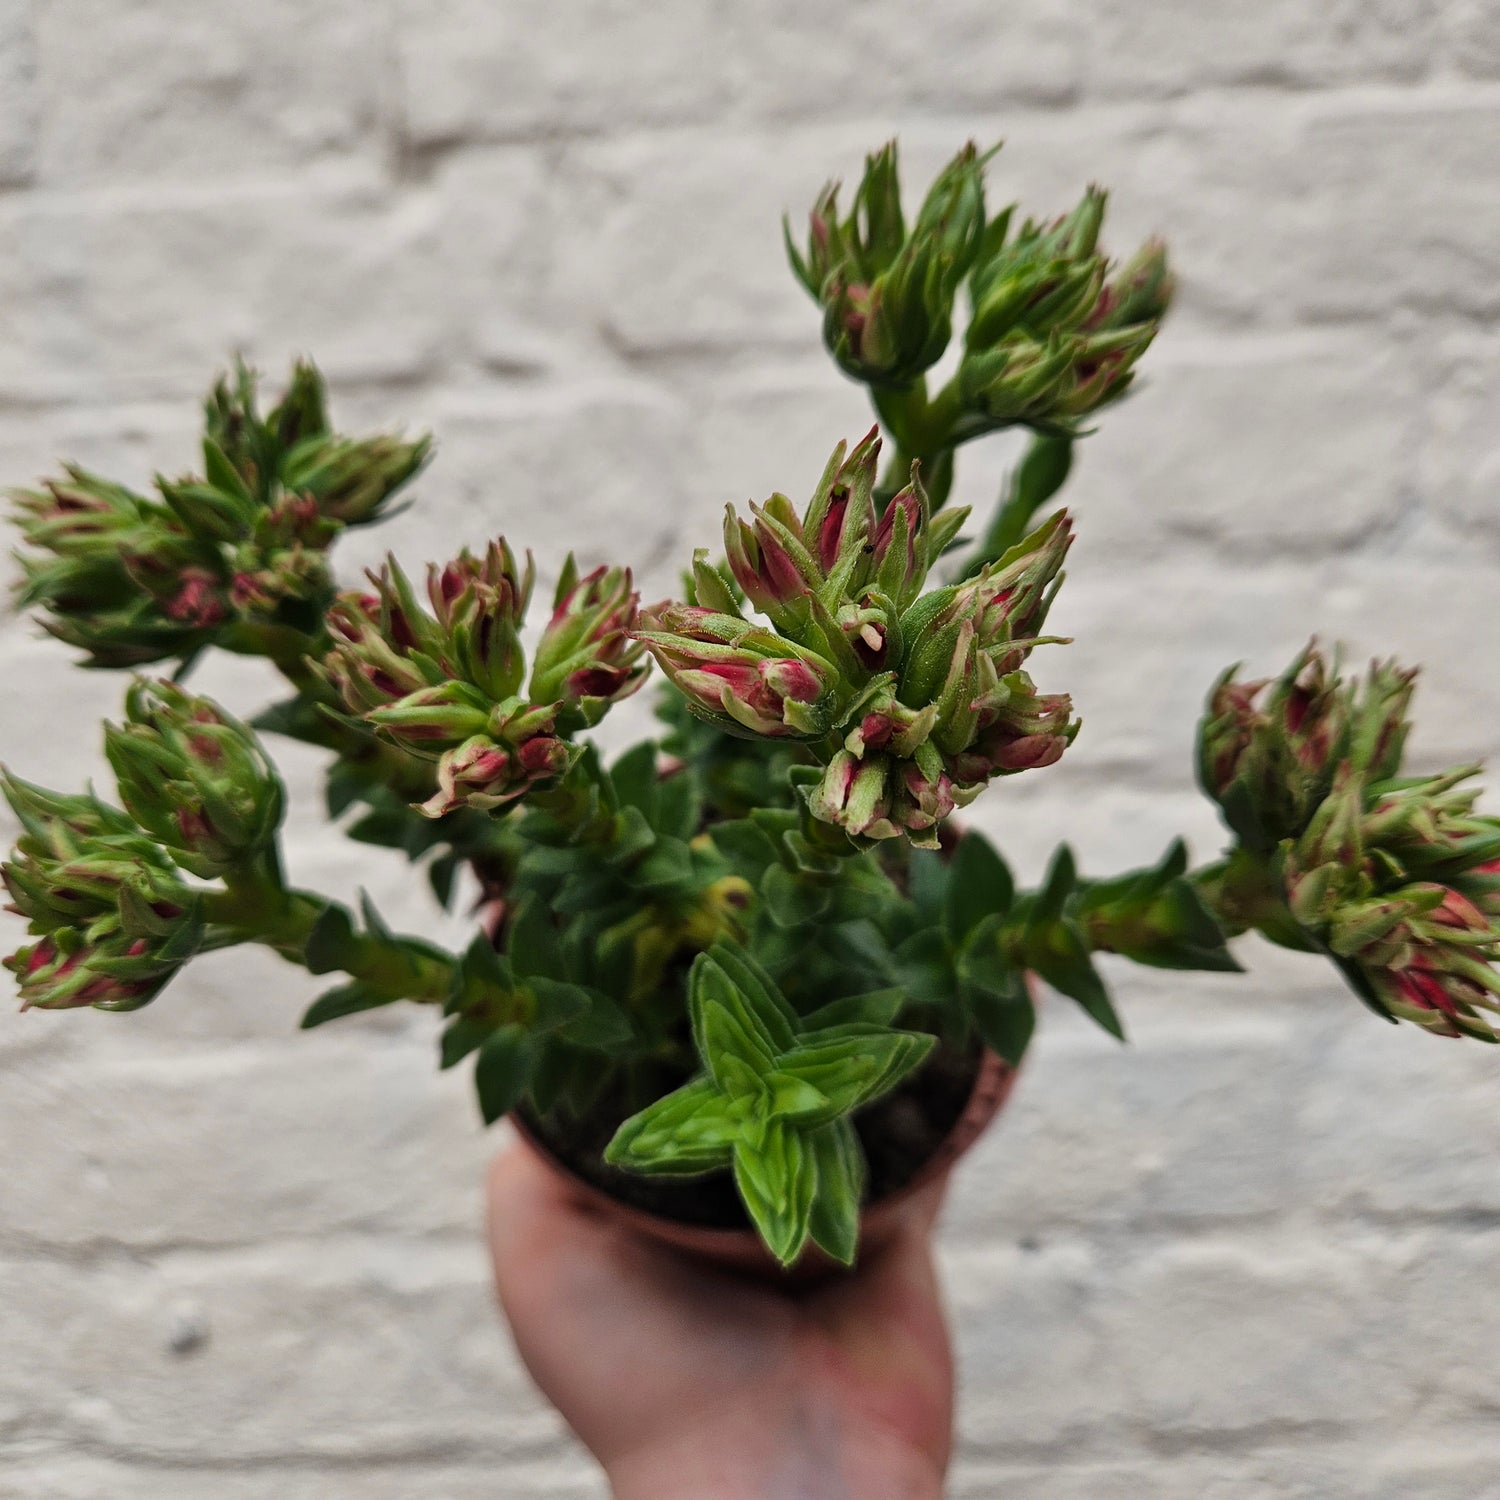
(715, 955)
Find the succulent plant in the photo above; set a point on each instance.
(732, 941)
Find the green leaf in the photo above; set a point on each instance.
(374, 922)
(1057, 886)
(851, 1065)
(924, 968)
(635, 779)
(557, 1002)
(1005, 1020)
(979, 886)
(441, 876)
(679, 807)
(746, 845)
(1062, 958)
(840, 1164)
(668, 867)
(604, 1027)
(777, 1181)
(758, 989)
(532, 942)
(876, 1008)
(330, 943)
(343, 1000)
(684, 1133)
(503, 1071)
(736, 1051)
(224, 476)
(461, 1038)
(792, 900)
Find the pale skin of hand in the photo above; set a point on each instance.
(685, 1381)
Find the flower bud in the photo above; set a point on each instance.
(1139, 292)
(423, 678)
(1267, 752)
(352, 479)
(886, 293)
(587, 657)
(746, 680)
(194, 778)
(770, 561)
(486, 772)
(114, 918)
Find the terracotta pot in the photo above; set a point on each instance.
(741, 1249)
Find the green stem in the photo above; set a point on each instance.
(922, 430)
(1243, 892)
(255, 908)
(1036, 479)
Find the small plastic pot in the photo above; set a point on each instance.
(741, 1249)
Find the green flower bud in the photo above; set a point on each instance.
(114, 918)
(887, 295)
(587, 658)
(194, 778)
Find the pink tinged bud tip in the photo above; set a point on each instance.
(831, 532)
(197, 601)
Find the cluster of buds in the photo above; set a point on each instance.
(193, 778)
(587, 657)
(1268, 751)
(1055, 331)
(133, 579)
(913, 701)
(113, 917)
(886, 293)
(1396, 878)
(445, 684)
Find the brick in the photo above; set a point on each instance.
(1379, 1153)
(64, 1477)
(1307, 457)
(1030, 1345)
(339, 1351)
(1192, 1345)
(684, 249)
(1377, 166)
(1181, 47)
(1191, 1123)
(469, 71)
(1459, 470)
(799, 60)
(18, 92)
(1470, 37)
(237, 1142)
(214, 94)
(600, 466)
(338, 270)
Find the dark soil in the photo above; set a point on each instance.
(900, 1134)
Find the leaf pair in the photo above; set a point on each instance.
(774, 1103)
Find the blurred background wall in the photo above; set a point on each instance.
(1252, 1253)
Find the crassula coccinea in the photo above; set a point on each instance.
(744, 932)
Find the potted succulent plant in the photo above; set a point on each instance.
(748, 975)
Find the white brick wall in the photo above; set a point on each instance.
(1250, 1255)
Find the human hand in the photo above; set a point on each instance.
(684, 1380)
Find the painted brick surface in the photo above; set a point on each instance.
(1246, 1256)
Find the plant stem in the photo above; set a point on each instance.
(922, 432)
(1039, 476)
(255, 907)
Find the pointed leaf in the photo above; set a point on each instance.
(979, 885)
(840, 1163)
(777, 1180)
(343, 1000)
(503, 1071)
